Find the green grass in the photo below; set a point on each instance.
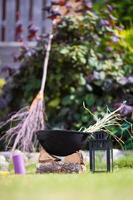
(112, 186)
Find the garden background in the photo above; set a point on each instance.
(91, 62)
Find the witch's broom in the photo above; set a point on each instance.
(29, 120)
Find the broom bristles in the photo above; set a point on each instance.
(28, 122)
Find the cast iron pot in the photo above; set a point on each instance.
(62, 142)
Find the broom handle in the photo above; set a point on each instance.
(45, 65)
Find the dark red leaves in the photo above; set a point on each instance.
(18, 31)
(59, 2)
(32, 31)
(54, 14)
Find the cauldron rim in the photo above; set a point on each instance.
(60, 131)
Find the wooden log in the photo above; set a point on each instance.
(45, 157)
(69, 164)
(59, 167)
(74, 158)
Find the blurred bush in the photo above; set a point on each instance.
(87, 64)
(123, 10)
(126, 161)
(2, 83)
(127, 39)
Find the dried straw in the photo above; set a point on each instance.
(102, 124)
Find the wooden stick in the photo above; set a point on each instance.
(45, 66)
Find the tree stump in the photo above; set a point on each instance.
(69, 164)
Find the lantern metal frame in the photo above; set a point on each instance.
(100, 141)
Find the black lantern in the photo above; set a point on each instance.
(101, 142)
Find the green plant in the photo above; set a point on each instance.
(126, 161)
(123, 10)
(87, 64)
(2, 83)
(127, 39)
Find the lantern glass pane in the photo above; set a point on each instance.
(100, 160)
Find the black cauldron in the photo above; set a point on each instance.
(62, 142)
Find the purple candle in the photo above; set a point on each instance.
(18, 162)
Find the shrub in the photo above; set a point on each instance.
(86, 64)
(126, 161)
(121, 9)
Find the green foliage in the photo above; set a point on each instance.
(2, 83)
(126, 161)
(123, 10)
(127, 39)
(86, 65)
(125, 133)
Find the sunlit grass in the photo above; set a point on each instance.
(110, 186)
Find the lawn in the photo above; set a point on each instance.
(112, 186)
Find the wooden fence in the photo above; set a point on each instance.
(17, 15)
